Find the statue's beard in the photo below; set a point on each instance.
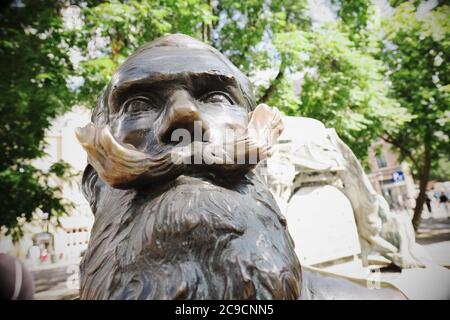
(191, 239)
(123, 166)
(178, 233)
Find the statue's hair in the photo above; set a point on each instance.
(189, 239)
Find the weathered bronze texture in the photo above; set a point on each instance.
(167, 228)
(191, 231)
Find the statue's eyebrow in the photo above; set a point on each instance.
(119, 91)
(122, 89)
(214, 80)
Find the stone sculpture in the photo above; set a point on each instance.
(308, 154)
(187, 220)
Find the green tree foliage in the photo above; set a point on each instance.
(342, 86)
(33, 86)
(417, 51)
(343, 83)
(441, 170)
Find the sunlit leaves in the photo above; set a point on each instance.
(342, 86)
(34, 68)
(419, 70)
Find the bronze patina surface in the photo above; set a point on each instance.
(168, 226)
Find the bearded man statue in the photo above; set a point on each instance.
(188, 219)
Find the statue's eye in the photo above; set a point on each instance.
(137, 105)
(217, 97)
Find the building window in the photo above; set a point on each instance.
(381, 161)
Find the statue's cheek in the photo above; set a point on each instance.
(134, 130)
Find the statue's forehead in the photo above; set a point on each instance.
(168, 61)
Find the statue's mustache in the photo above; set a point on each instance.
(123, 166)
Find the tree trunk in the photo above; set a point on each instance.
(424, 178)
(207, 27)
(269, 91)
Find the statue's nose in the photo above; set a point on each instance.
(181, 113)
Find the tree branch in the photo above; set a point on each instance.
(388, 138)
(273, 84)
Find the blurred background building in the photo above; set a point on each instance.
(390, 177)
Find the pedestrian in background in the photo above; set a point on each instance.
(428, 202)
(443, 202)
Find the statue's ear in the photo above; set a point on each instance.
(91, 186)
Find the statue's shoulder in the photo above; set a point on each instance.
(302, 129)
(310, 122)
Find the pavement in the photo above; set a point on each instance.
(56, 281)
(432, 282)
(434, 236)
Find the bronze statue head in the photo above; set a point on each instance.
(185, 218)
